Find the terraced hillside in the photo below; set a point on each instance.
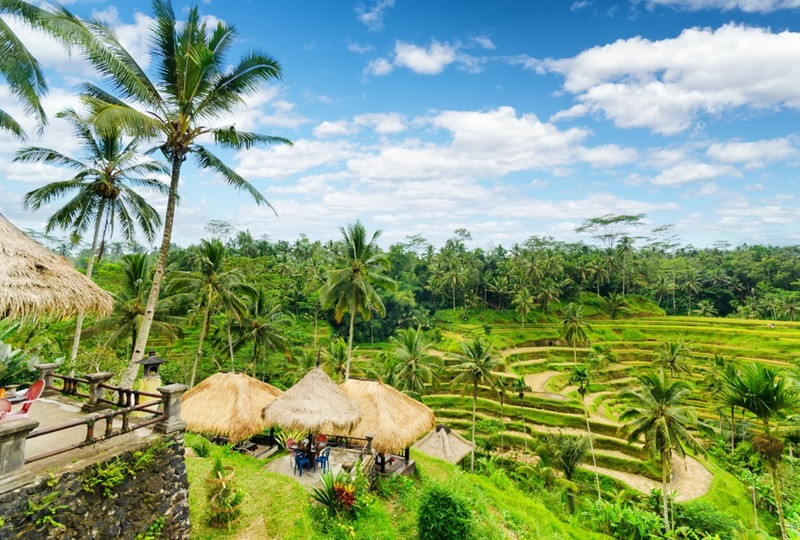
(630, 345)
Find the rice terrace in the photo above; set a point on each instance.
(396, 270)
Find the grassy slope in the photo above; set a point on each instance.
(276, 506)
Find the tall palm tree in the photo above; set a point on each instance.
(524, 303)
(573, 328)
(417, 366)
(385, 368)
(674, 356)
(103, 185)
(129, 304)
(194, 87)
(582, 377)
(598, 269)
(769, 396)
(659, 414)
(264, 325)
(212, 286)
(336, 358)
(351, 284)
(691, 285)
(548, 292)
(520, 387)
(501, 386)
(474, 366)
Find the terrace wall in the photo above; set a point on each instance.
(61, 503)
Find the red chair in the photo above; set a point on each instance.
(5, 407)
(290, 443)
(31, 395)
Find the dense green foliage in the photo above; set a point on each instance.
(443, 514)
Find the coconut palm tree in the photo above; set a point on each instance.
(573, 328)
(336, 358)
(212, 286)
(351, 284)
(417, 366)
(103, 188)
(195, 86)
(598, 269)
(566, 452)
(705, 308)
(520, 388)
(524, 303)
(582, 377)
(769, 396)
(385, 368)
(658, 412)
(501, 386)
(263, 324)
(615, 304)
(673, 355)
(547, 292)
(474, 366)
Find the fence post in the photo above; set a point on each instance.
(46, 372)
(95, 392)
(172, 421)
(12, 453)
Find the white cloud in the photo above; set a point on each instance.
(373, 17)
(331, 129)
(422, 60)
(484, 42)
(382, 123)
(748, 6)
(693, 171)
(281, 161)
(664, 85)
(379, 67)
(753, 154)
(360, 49)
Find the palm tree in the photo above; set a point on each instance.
(573, 328)
(195, 85)
(351, 285)
(581, 377)
(705, 308)
(501, 386)
(103, 186)
(548, 292)
(673, 356)
(263, 325)
(500, 286)
(520, 388)
(336, 358)
(566, 452)
(769, 396)
(659, 414)
(790, 307)
(524, 303)
(615, 304)
(129, 303)
(691, 286)
(599, 271)
(213, 286)
(417, 367)
(474, 366)
(385, 368)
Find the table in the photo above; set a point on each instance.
(13, 397)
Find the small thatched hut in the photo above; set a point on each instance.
(228, 405)
(444, 444)
(313, 404)
(35, 281)
(395, 419)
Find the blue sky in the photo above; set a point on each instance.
(509, 119)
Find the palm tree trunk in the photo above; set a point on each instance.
(206, 319)
(776, 491)
(524, 429)
(454, 296)
(733, 429)
(755, 508)
(230, 346)
(350, 342)
(474, 409)
(665, 463)
(591, 449)
(502, 415)
(76, 339)
(161, 267)
(574, 354)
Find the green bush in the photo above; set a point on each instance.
(623, 521)
(443, 514)
(702, 516)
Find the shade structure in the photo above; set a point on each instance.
(313, 404)
(34, 281)
(395, 419)
(228, 404)
(444, 444)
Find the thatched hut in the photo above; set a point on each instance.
(444, 444)
(228, 405)
(35, 281)
(313, 404)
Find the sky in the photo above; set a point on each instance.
(508, 119)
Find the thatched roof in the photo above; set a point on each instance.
(444, 444)
(395, 419)
(313, 404)
(35, 281)
(227, 404)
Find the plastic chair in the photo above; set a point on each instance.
(5, 407)
(31, 395)
(300, 461)
(322, 459)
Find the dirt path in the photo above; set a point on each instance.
(537, 383)
(523, 350)
(690, 479)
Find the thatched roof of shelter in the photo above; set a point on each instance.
(394, 418)
(444, 444)
(313, 404)
(35, 281)
(228, 404)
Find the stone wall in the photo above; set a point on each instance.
(117, 497)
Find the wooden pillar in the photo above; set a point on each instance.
(407, 454)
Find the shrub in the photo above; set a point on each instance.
(622, 521)
(443, 514)
(225, 501)
(702, 516)
(202, 447)
(337, 494)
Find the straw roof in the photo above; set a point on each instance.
(395, 419)
(227, 404)
(35, 281)
(313, 404)
(444, 444)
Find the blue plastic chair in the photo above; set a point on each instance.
(322, 459)
(300, 461)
